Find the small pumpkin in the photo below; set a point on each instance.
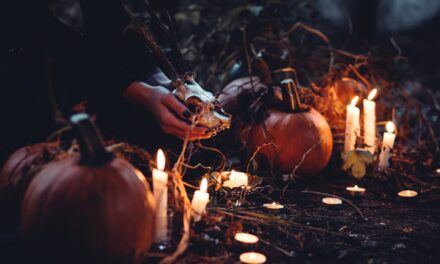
(17, 173)
(89, 207)
(290, 138)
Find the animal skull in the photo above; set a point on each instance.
(202, 103)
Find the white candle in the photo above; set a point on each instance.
(370, 122)
(246, 238)
(352, 126)
(160, 192)
(356, 191)
(273, 206)
(252, 258)
(407, 193)
(236, 179)
(331, 201)
(387, 146)
(200, 200)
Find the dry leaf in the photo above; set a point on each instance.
(357, 160)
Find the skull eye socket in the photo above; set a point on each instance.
(194, 104)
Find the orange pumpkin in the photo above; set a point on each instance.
(17, 173)
(291, 138)
(88, 208)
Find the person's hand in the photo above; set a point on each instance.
(173, 117)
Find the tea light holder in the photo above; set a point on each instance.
(407, 194)
(246, 238)
(356, 191)
(253, 258)
(331, 201)
(273, 206)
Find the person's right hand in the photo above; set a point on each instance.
(173, 117)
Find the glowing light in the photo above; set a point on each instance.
(204, 185)
(372, 94)
(390, 127)
(354, 100)
(160, 160)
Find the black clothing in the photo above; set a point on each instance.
(36, 50)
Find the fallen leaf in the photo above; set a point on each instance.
(357, 160)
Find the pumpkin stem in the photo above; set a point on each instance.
(290, 95)
(91, 145)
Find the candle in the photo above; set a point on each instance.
(407, 193)
(246, 238)
(356, 191)
(437, 171)
(351, 125)
(370, 122)
(387, 145)
(273, 206)
(160, 192)
(331, 201)
(200, 200)
(236, 179)
(252, 258)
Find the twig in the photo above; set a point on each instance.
(285, 252)
(256, 151)
(343, 199)
(168, 68)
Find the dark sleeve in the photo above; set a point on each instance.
(76, 64)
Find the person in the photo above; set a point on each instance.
(40, 56)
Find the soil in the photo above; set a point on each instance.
(396, 230)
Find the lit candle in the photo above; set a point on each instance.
(236, 179)
(370, 122)
(387, 145)
(252, 258)
(352, 126)
(331, 201)
(437, 171)
(273, 206)
(200, 200)
(407, 193)
(246, 238)
(160, 192)
(356, 191)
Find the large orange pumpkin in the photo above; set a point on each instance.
(292, 138)
(88, 208)
(17, 173)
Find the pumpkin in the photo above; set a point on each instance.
(290, 138)
(89, 207)
(17, 173)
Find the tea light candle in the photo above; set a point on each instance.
(236, 179)
(273, 206)
(331, 201)
(252, 258)
(437, 171)
(356, 191)
(246, 238)
(200, 200)
(352, 126)
(387, 146)
(160, 193)
(370, 122)
(407, 193)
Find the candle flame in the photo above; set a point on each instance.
(204, 185)
(354, 100)
(160, 160)
(356, 187)
(252, 255)
(390, 127)
(372, 94)
(274, 203)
